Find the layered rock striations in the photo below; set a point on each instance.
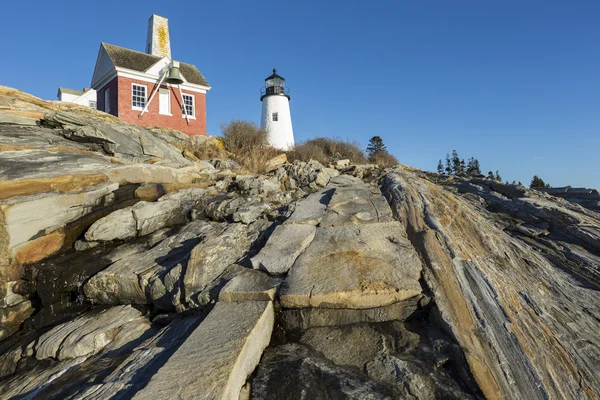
(523, 304)
(129, 268)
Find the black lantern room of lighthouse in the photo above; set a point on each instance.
(275, 85)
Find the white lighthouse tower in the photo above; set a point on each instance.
(275, 117)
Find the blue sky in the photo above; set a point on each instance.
(514, 83)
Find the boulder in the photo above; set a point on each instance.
(145, 217)
(311, 209)
(354, 266)
(250, 285)
(11, 317)
(223, 350)
(90, 333)
(222, 207)
(150, 192)
(275, 162)
(154, 216)
(226, 164)
(249, 213)
(152, 276)
(357, 204)
(292, 371)
(342, 163)
(312, 174)
(118, 225)
(210, 258)
(412, 380)
(284, 246)
(350, 345)
(258, 186)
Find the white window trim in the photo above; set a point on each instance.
(193, 106)
(170, 109)
(131, 96)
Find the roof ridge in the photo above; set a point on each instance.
(139, 61)
(141, 52)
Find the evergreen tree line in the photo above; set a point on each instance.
(457, 166)
(538, 182)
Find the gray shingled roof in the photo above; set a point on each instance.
(138, 61)
(70, 91)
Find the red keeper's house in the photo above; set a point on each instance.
(151, 89)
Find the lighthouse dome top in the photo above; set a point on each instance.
(274, 78)
(274, 86)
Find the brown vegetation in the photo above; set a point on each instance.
(324, 149)
(197, 149)
(248, 145)
(383, 159)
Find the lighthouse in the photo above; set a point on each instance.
(275, 117)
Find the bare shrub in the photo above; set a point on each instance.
(248, 144)
(324, 149)
(383, 159)
(204, 149)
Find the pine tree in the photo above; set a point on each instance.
(463, 167)
(490, 175)
(375, 145)
(538, 182)
(455, 163)
(448, 167)
(469, 170)
(498, 177)
(476, 167)
(473, 168)
(440, 167)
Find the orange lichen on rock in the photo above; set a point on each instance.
(63, 184)
(40, 248)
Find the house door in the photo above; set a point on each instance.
(164, 101)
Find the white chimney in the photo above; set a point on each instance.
(158, 42)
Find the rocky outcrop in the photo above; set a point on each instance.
(224, 351)
(61, 171)
(153, 276)
(132, 268)
(515, 303)
(588, 198)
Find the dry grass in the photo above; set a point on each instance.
(324, 149)
(204, 150)
(383, 159)
(248, 145)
